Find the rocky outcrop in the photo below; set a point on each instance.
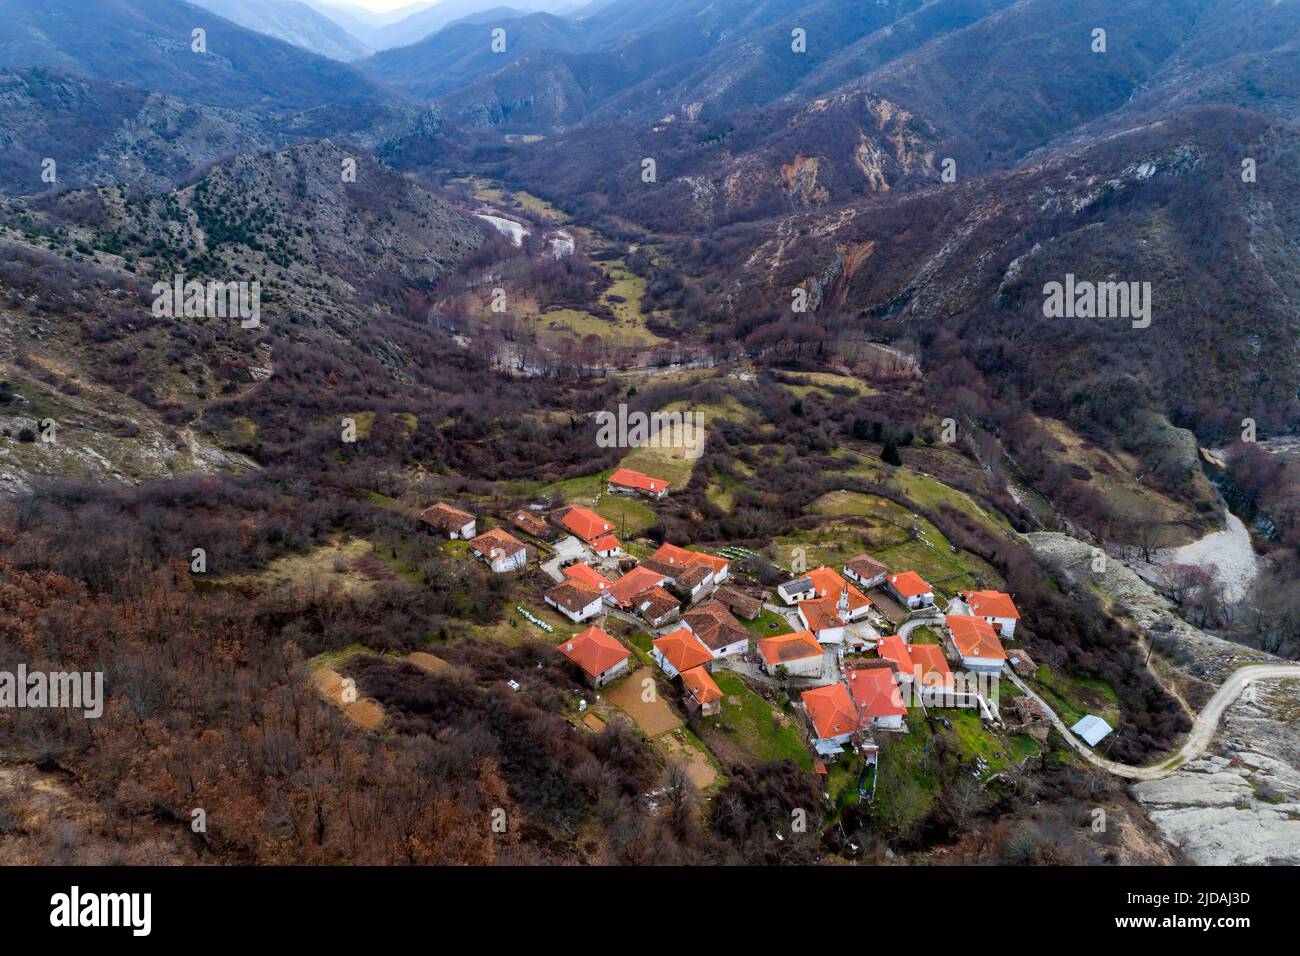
(1240, 804)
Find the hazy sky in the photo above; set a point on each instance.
(379, 6)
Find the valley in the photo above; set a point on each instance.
(366, 576)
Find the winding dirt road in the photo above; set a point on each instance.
(1207, 722)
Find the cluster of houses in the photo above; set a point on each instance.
(688, 600)
(866, 693)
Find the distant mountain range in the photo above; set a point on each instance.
(293, 22)
(149, 44)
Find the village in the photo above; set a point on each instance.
(852, 654)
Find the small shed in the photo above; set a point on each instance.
(1091, 729)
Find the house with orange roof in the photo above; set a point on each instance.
(911, 589)
(822, 618)
(994, 606)
(673, 556)
(833, 717)
(894, 649)
(828, 583)
(798, 652)
(607, 546)
(628, 482)
(585, 523)
(877, 697)
(824, 583)
(680, 651)
(702, 692)
(975, 642)
(834, 604)
(585, 574)
(575, 600)
(921, 665)
(499, 550)
(622, 591)
(600, 657)
(454, 523)
(930, 673)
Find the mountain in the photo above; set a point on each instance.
(360, 22)
(463, 53)
(149, 46)
(79, 266)
(103, 133)
(293, 22)
(429, 20)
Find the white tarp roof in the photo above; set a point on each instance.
(1092, 728)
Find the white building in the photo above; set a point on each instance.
(501, 551)
(911, 589)
(994, 607)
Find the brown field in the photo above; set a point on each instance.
(653, 718)
(696, 763)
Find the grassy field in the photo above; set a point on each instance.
(514, 628)
(629, 516)
(891, 534)
(761, 626)
(347, 564)
(516, 199)
(755, 725)
(1073, 698)
(822, 383)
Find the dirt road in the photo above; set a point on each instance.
(1207, 722)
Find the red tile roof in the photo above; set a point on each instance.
(929, 666)
(671, 554)
(830, 585)
(627, 478)
(586, 524)
(991, 604)
(910, 584)
(922, 662)
(875, 692)
(974, 637)
(633, 583)
(679, 557)
(831, 710)
(683, 649)
(701, 685)
(798, 646)
(586, 574)
(594, 651)
(820, 615)
(606, 542)
(892, 648)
